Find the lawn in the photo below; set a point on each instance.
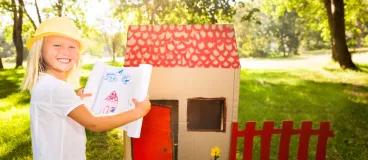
(15, 138)
(327, 94)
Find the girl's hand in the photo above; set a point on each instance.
(142, 107)
(83, 95)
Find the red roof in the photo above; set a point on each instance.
(193, 46)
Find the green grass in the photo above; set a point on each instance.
(15, 138)
(328, 94)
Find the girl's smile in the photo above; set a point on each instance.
(60, 55)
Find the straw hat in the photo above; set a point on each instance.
(58, 26)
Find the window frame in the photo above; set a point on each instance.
(223, 115)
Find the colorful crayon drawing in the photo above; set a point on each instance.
(121, 72)
(126, 79)
(110, 104)
(110, 76)
(113, 77)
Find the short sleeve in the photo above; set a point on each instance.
(64, 99)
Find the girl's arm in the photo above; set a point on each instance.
(99, 123)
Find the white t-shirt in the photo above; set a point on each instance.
(55, 136)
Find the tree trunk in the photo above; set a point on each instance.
(330, 24)
(38, 12)
(60, 7)
(1, 64)
(150, 8)
(359, 36)
(107, 43)
(113, 50)
(17, 31)
(342, 52)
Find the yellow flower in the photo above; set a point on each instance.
(215, 151)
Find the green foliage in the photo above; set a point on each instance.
(209, 11)
(315, 16)
(173, 12)
(149, 12)
(6, 49)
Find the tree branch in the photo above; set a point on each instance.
(38, 12)
(29, 17)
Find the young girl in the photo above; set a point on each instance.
(58, 115)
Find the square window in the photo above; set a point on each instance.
(206, 114)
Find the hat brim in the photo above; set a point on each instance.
(30, 42)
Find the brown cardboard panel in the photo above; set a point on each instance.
(183, 109)
(186, 143)
(127, 146)
(236, 94)
(200, 144)
(186, 82)
(183, 83)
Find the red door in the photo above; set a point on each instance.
(155, 142)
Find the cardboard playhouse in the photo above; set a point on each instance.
(194, 90)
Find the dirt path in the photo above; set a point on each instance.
(310, 62)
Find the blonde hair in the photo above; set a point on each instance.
(36, 65)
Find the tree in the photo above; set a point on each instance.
(59, 6)
(38, 12)
(17, 30)
(332, 24)
(5, 49)
(287, 30)
(356, 17)
(336, 19)
(209, 11)
(17, 8)
(149, 11)
(252, 28)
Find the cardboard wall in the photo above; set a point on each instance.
(184, 83)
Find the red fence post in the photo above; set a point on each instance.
(305, 133)
(286, 132)
(234, 140)
(324, 133)
(250, 128)
(266, 135)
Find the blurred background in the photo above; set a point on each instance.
(264, 28)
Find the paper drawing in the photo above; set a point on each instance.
(113, 89)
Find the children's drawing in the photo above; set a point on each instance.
(121, 72)
(112, 97)
(110, 104)
(113, 88)
(111, 77)
(126, 79)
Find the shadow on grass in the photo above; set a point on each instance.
(23, 150)
(282, 96)
(105, 145)
(363, 68)
(10, 80)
